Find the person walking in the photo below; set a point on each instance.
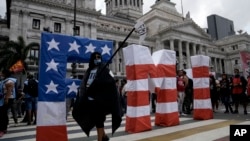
(9, 86)
(225, 93)
(97, 98)
(239, 84)
(7, 90)
(181, 91)
(31, 93)
(213, 92)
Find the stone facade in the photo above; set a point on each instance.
(167, 29)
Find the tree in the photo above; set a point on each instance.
(13, 51)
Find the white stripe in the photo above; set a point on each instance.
(164, 131)
(168, 83)
(51, 113)
(202, 104)
(137, 54)
(216, 134)
(139, 111)
(79, 133)
(166, 57)
(202, 82)
(199, 60)
(168, 107)
(164, 82)
(137, 85)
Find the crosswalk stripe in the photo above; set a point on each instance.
(187, 130)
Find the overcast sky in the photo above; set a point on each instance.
(235, 10)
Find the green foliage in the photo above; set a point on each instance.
(13, 51)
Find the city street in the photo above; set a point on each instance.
(216, 129)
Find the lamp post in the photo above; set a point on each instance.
(73, 65)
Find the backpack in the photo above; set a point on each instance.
(32, 88)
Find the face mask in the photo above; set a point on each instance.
(97, 61)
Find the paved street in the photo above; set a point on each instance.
(216, 129)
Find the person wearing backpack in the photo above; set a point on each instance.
(7, 88)
(10, 89)
(31, 93)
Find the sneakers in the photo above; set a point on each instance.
(1, 133)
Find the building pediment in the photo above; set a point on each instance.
(187, 27)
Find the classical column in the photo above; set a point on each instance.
(198, 49)
(159, 44)
(180, 54)
(220, 65)
(68, 27)
(194, 49)
(172, 44)
(206, 50)
(116, 57)
(215, 65)
(188, 55)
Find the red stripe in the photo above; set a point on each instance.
(51, 133)
(203, 114)
(202, 93)
(169, 119)
(202, 71)
(166, 70)
(137, 98)
(167, 95)
(135, 72)
(138, 124)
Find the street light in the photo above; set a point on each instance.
(73, 65)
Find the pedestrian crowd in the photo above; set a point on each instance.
(17, 102)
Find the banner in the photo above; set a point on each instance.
(55, 52)
(142, 30)
(245, 62)
(17, 67)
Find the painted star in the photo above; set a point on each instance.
(53, 44)
(52, 65)
(74, 46)
(73, 88)
(90, 48)
(52, 87)
(106, 50)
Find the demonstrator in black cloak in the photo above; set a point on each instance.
(98, 97)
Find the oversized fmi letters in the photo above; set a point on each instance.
(202, 102)
(161, 68)
(166, 107)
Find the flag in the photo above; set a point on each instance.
(72, 87)
(55, 52)
(140, 27)
(17, 67)
(245, 62)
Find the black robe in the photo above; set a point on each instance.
(104, 89)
